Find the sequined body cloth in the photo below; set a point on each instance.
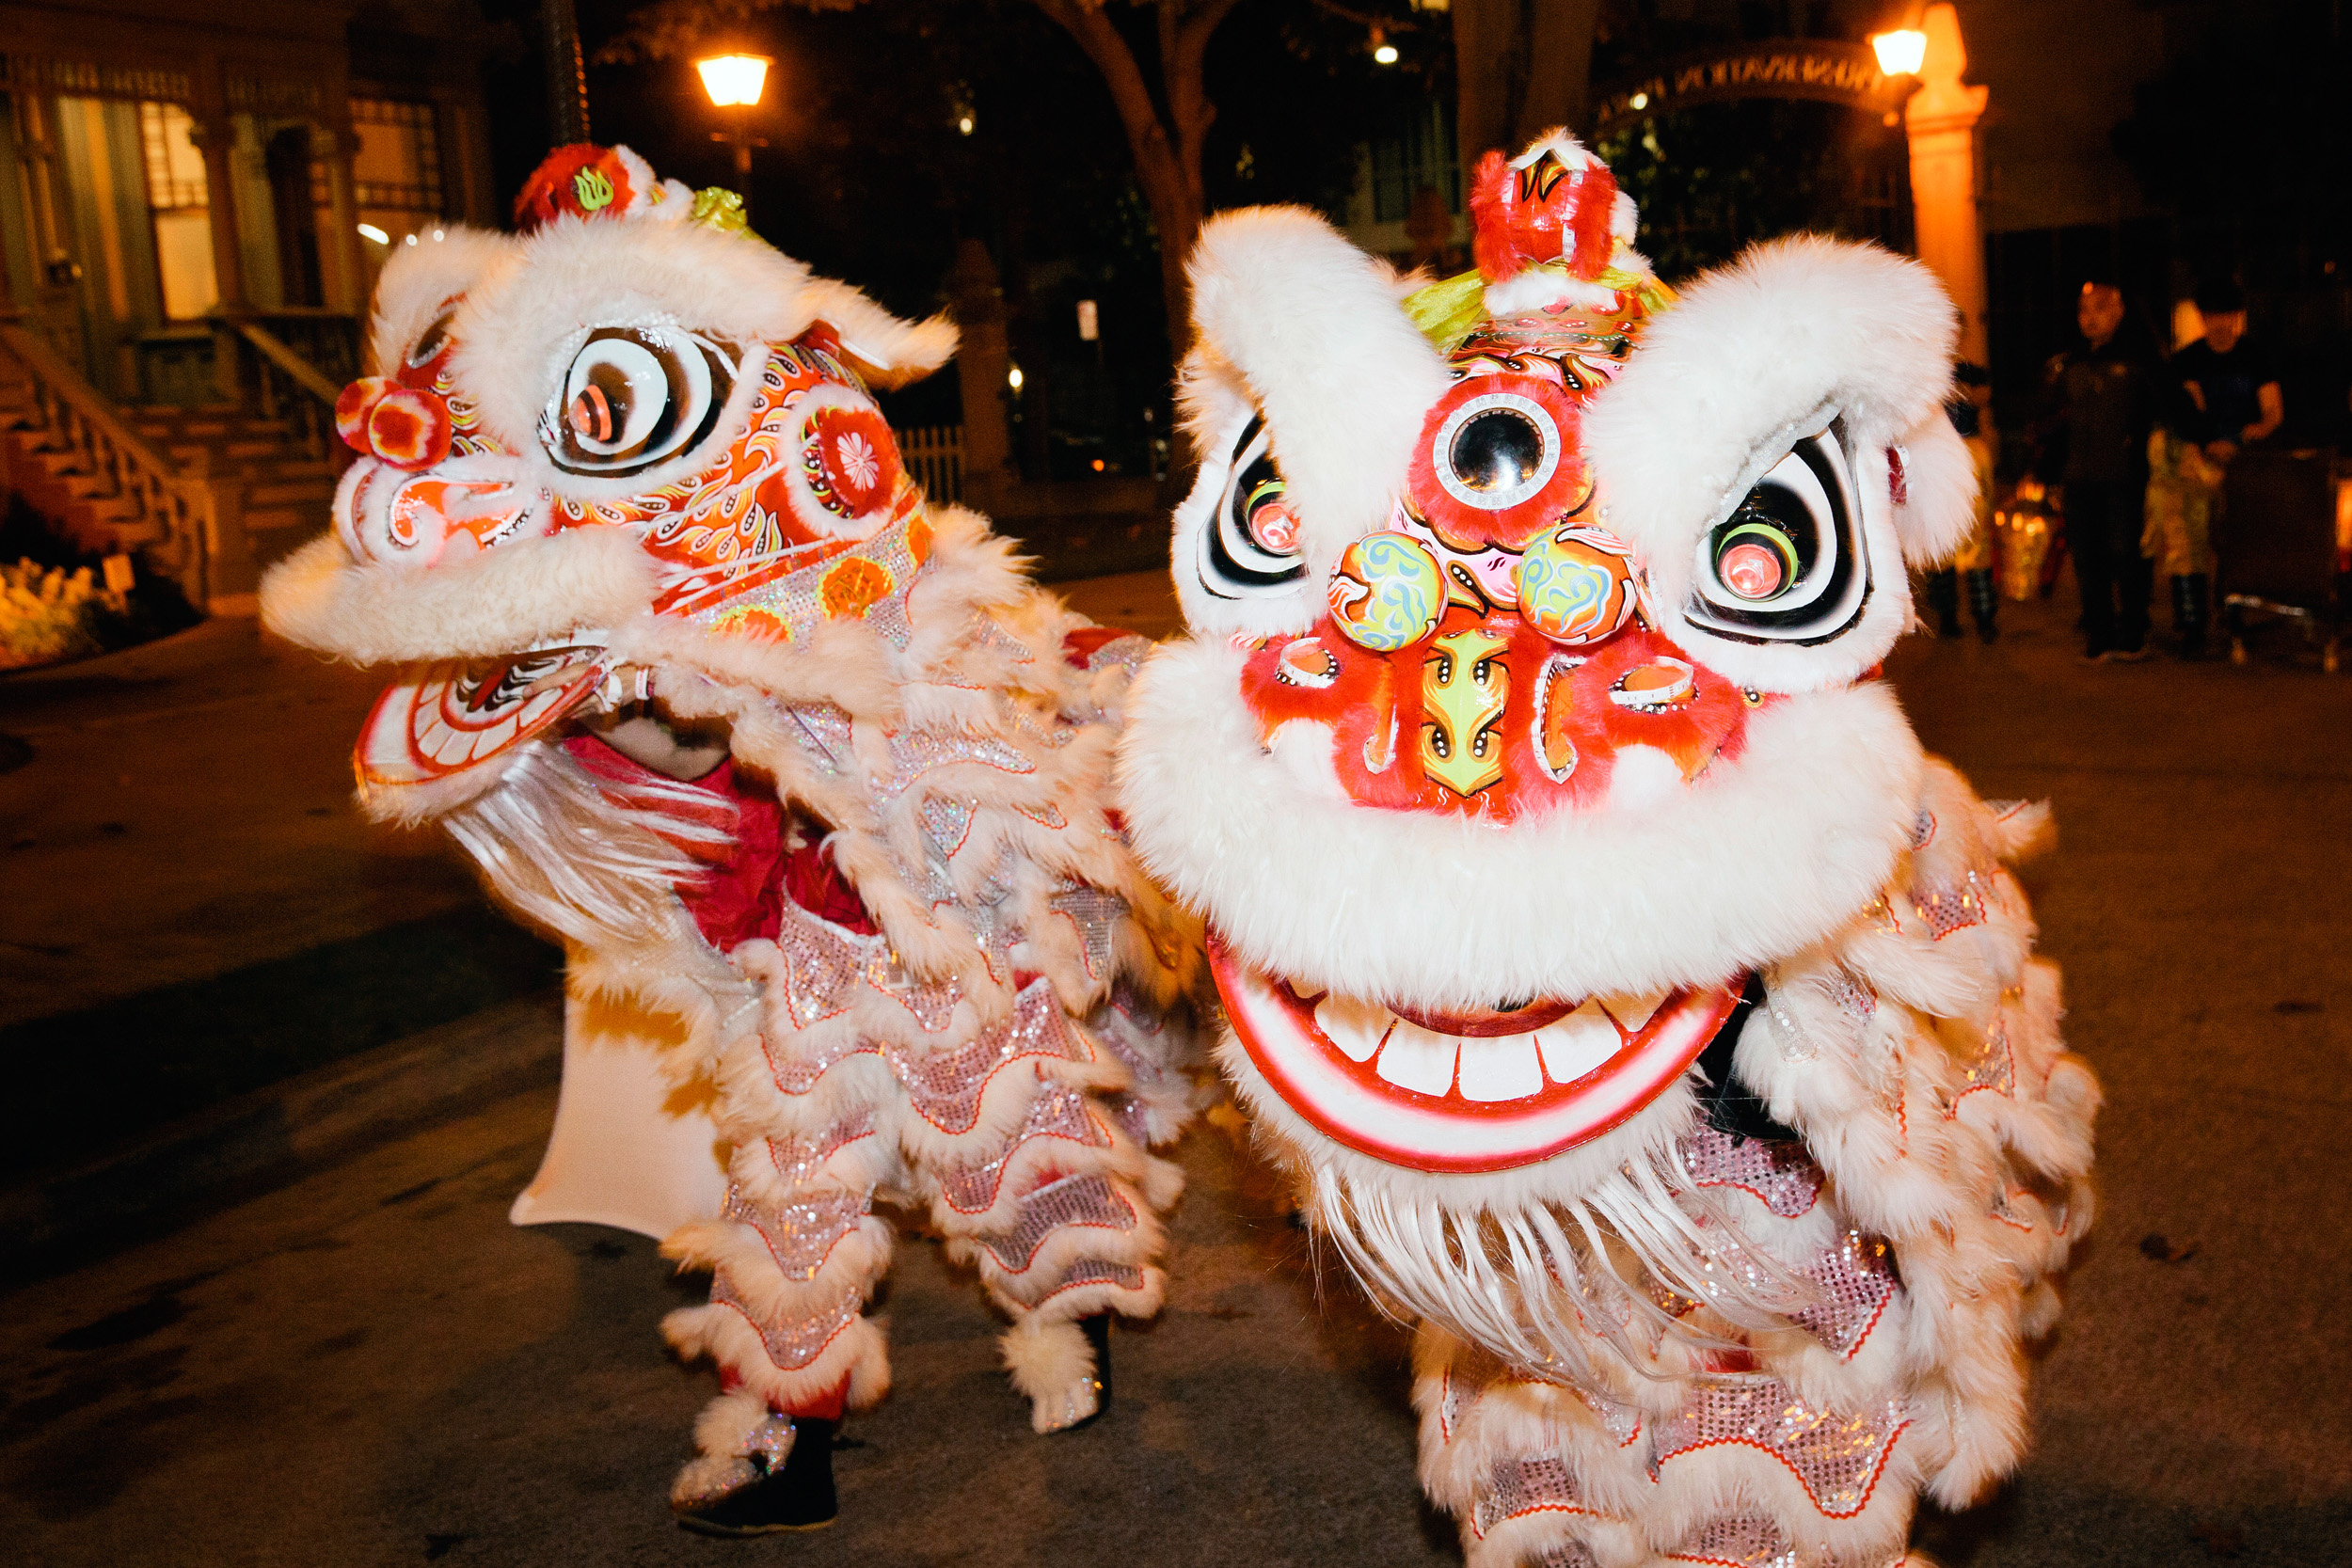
(1911, 1248)
(959, 996)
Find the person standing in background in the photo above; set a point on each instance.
(2229, 377)
(1973, 564)
(2105, 392)
(2230, 385)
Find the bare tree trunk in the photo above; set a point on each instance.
(1521, 66)
(1165, 148)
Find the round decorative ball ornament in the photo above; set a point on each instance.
(1387, 592)
(1576, 585)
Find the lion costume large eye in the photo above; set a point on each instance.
(1251, 548)
(1496, 450)
(434, 339)
(635, 397)
(1787, 565)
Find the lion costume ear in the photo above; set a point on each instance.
(1798, 347)
(421, 283)
(886, 353)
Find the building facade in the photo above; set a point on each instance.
(171, 161)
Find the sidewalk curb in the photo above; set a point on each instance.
(67, 1216)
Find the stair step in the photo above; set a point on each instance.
(300, 494)
(272, 546)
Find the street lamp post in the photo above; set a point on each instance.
(734, 82)
(1940, 122)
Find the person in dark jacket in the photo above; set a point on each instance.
(2104, 393)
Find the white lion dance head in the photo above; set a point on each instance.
(704, 682)
(1641, 1012)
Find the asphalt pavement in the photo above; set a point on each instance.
(368, 1365)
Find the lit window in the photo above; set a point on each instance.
(178, 208)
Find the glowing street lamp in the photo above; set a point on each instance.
(1901, 52)
(734, 82)
(1383, 52)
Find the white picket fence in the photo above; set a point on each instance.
(933, 454)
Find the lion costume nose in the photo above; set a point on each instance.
(403, 426)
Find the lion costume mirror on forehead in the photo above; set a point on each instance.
(805, 770)
(1640, 1011)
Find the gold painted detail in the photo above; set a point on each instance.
(1463, 689)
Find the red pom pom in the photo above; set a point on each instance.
(352, 409)
(580, 180)
(1545, 212)
(409, 429)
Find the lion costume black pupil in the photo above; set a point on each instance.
(1500, 449)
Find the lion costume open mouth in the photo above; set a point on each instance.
(1439, 1093)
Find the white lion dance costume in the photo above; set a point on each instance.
(1639, 1011)
(624, 467)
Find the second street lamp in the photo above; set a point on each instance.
(734, 82)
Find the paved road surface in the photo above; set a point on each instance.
(370, 1367)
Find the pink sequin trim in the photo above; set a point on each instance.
(1857, 1280)
(1836, 1458)
(1541, 1483)
(1993, 1067)
(1058, 1112)
(1781, 1176)
(800, 1234)
(947, 1087)
(793, 1346)
(1743, 1541)
(1083, 1201)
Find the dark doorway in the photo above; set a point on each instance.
(288, 158)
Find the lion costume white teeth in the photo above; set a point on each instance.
(628, 456)
(1639, 1011)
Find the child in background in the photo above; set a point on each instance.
(2182, 483)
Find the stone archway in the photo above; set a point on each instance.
(1939, 116)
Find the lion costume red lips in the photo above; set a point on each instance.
(1388, 1086)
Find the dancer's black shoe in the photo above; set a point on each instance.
(799, 1497)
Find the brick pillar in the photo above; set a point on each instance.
(1941, 122)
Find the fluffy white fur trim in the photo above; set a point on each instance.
(723, 1334)
(1941, 478)
(519, 320)
(1760, 859)
(1314, 330)
(888, 352)
(1538, 289)
(420, 282)
(1758, 355)
(499, 602)
(1049, 1360)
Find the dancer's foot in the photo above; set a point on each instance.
(1084, 1399)
(798, 1495)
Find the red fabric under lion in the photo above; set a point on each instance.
(740, 893)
